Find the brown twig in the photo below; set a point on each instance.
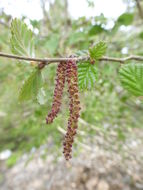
(47, 61)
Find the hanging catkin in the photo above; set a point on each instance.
(58, 92)
(74, 107)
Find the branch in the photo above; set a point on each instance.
(47, 61)
(139, 8)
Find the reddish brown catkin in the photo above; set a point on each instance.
(58, 92)
(74, 107)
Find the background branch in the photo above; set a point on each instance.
(47, 61)
(139, 8)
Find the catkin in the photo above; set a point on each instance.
(58, 92)
(74, 107)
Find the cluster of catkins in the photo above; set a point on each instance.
(67, 72)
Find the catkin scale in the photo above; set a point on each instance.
(58, 92)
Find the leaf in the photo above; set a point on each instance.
(41, 97)
(87, 75)
(22, 42)
(82, 53)
(52, 43)
(77, 37)
(141, 35)
(31, 86)
(96, 29)
(125, 19)
(98, 50)
(131, 76)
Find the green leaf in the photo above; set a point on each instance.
(87, 75)
(77, 37)
(141, 35)
(98, 50)
(31, 86)
(125, 19)
(131, 76)
(41, 97)
(52, 43)
(21, 41)
(82, 53)
(96, 29)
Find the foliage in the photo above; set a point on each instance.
(22, 42)
(131, 76)
(98, 50)
(31, 86)
(125, 19)
(87, 71)
(87, 75)
(12, 160)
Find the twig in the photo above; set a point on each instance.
(139, 8)
(47, 61)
